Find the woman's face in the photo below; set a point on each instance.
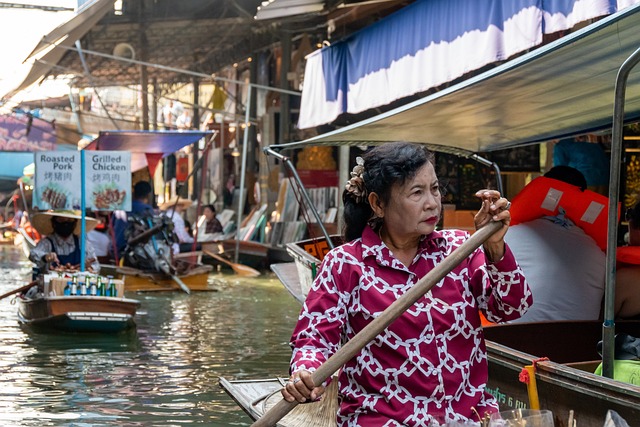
(208, 214)
(414, 207)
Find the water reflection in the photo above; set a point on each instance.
(165, 372)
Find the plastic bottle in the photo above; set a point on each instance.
(93, 288)
(74, 285)
(84, 287)
(107, 290)
(67, 288)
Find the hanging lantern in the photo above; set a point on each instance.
(182, 168)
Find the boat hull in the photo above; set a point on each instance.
(566, 381)
(256, 397)
(140, 281)
(78, 313)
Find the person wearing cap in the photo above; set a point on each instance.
(173, 208)
(61, 244)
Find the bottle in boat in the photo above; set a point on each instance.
(74, 285)
(108, 287)
(67, 288)
(93, 288)
(113, 290)
(101, 287)
(84, 287)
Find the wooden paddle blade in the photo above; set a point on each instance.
(245, 270)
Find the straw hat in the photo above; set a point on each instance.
(41, 221)
(184, 203)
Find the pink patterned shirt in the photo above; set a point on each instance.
(430, 364)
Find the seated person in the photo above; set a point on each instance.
(563, 264)
(211, 227)
(61, 245)
(99, 238)
(174, 209)
(627, 301)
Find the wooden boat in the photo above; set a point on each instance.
(254, 254)
(255, 397)
(79, 313)
(196, 279)
(566, 381)
(307, 256)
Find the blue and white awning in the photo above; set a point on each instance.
(562, 89)
(430, 43)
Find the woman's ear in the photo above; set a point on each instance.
(376, 205)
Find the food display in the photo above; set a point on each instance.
(55, 197)
(108, 198)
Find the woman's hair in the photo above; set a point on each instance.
(384, 166)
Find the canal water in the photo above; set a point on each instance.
(163, 373)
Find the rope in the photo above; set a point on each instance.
(528, 376)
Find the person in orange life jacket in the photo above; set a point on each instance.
(61, 246)
(563, 264)
(627, 301)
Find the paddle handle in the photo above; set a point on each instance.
(218, 257)
(176, 279)
(373, 329)
(20, 289)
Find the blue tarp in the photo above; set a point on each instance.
(12, 164)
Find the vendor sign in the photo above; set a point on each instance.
(57, 180)
(107, 180)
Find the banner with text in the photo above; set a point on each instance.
(107, 180)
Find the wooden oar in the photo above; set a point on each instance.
(373, 329)
(20, 289)
(241, 269)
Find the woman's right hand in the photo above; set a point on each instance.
(300, 388)
(51, 258)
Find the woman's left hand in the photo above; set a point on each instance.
(496, 208)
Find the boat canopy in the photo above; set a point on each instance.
(146, 147)
(559, 90)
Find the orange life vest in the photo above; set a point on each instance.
(628, 255)
(543, 196)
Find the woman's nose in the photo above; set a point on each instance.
(431, 201)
